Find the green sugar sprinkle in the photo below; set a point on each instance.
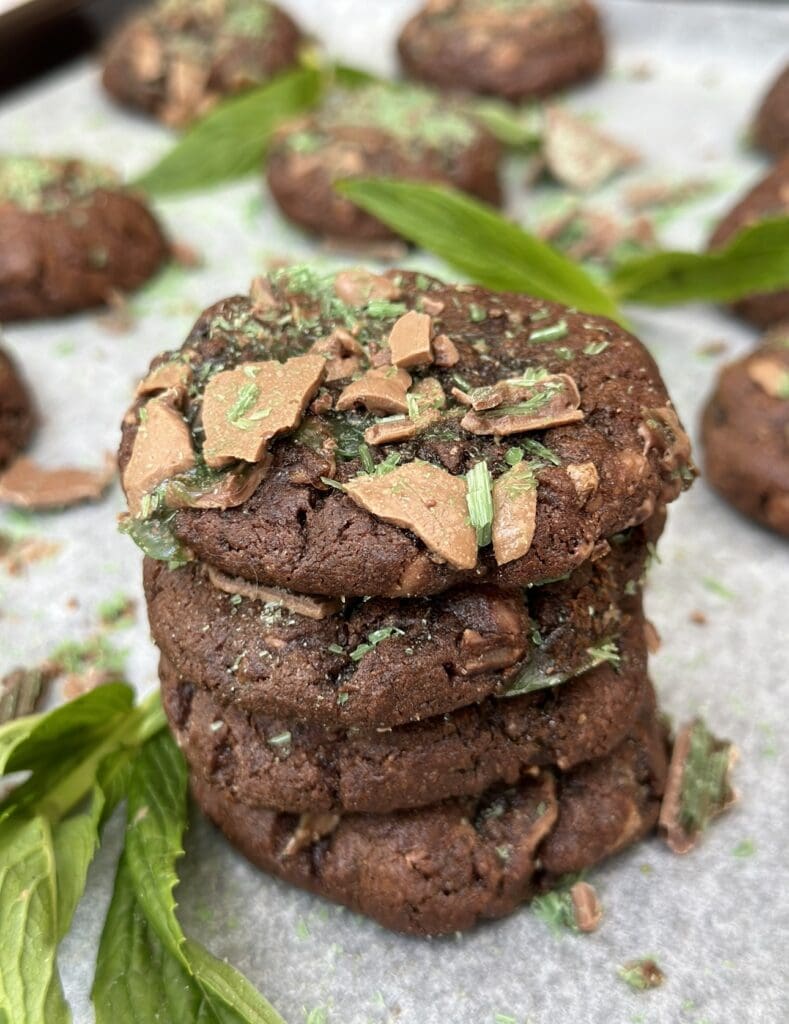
(373, 639)
(594, 348)
(744, 849)
(513, 456)
(554, 332)
(641, 974)
(605, 652)
(541, 453)
(381, 309)
(705, 779)
(479, 500)
(248, 394)
(718, 588)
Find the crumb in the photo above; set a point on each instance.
(712, 348)
(698, 617)
(119, 319)
(186, 256)
(641, 974)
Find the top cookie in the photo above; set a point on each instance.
(70, 235)
(178, 58)
(510, 48)
(416, 435)
(771, 126)
(404, 132)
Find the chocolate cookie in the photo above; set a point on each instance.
(348, 669)
(511, 48)
(768, 198)
(178, 58)
(399, 132)
(17, 415)
(70, 236)
(745, 431)
(442, 868)
(296, 767)
(418, 435)
(771, 125)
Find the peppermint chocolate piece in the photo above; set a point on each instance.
(71, 237)
(177, 58)
(576, 390)
(162, 449)
(745, 433)
(514, 513)
(516, 49)
(26, 484)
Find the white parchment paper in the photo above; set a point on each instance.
(716, 922)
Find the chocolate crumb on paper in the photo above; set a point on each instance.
(641, 974)
(26, 484)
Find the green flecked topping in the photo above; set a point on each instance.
(237, 17)
(411, 115)
(156, 539)
(554, 332)
(705, 780)
(44, 185)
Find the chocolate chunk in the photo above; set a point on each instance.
(514, 513)
(244, 409)
(579, 155)
(300, 604)
(25, 484)
(162, 449)
(174, 374)
(426, 500)
(587, 909)
(382, 390)
(507, 408)
(357, 287)
(409, 340)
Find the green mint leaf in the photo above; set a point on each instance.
(475, 239)
(755, 260)
(28, 941)
(518, 128)
(479, 499)
(75, 841)
(156, 815)
(231, 141)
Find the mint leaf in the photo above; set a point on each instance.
(28, 896)
(231, 141)
(755, 260)
(156, 814)
(475, 239)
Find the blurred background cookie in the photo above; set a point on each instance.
(510, 48)
(70, 236)
(17, 416)
(404, 132)
(771, 127)
(178, 58)
(745, 431)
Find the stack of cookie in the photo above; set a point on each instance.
(396, 533)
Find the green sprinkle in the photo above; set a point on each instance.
(605, 652)
(553, 332)
(302, 929)
(389, 463)
(503, 1018)
(513, 456)
(335, 649)
(317, 1015)
(380, 309)
(366, 459)
(373, 639)
(555, 908)
(541, 452)
(117, 612)
(479, 500)
(716, 587)
(745, 848)
(282, 739)
(476, 314)
(594, 348)
(343, 698)
(236, 599)
(332, 483)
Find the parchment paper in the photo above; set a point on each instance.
(716, 922)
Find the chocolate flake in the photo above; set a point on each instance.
(358, 287)
(311, 828)
(243, 409)
(534, 403)
(586, 907)
(25, 484)
(299, 604)
(579, 155)
(162, 449)
(770, 375)
(173, 374)
(426, 500)
(514, 513)
(409, 340)
(381, 390)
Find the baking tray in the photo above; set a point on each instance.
(682, 82)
